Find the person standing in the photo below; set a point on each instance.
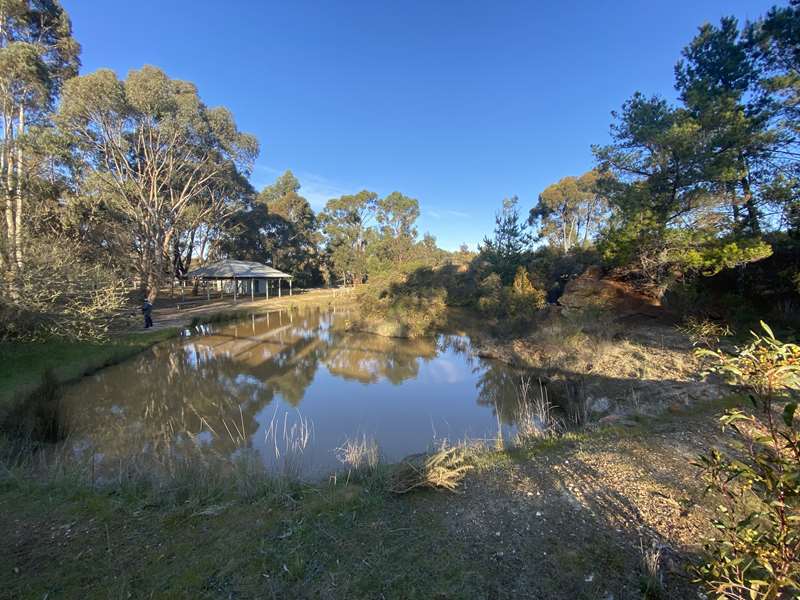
(147, 311)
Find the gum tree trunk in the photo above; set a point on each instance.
(18, 251)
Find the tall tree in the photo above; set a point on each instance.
(774, 42)
(156, 151)
(397, 216)
(291, 229)
(570, 211)
(347, 223)
(37, 54)
(714, 78)
(656, 161)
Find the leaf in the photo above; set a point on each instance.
(788, 413)
(766, 328)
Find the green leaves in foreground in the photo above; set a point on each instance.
(755, 553)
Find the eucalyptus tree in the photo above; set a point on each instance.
(347, 223)
(210, 217)
(396, 216)
(37, 54)
(569, 212)
(158, 155)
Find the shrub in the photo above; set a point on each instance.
(756, 552)
(59, 295)
(491, 294)
(704, 332)
(402, 305)
(523, 299)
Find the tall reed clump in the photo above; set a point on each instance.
(288, 441)
(536, 419)
(444, 469)
(755, 553)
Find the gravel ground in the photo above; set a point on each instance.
(574, 522)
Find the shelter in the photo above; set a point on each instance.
(241, 277)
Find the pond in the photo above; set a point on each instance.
(293, 383)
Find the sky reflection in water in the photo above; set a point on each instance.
(233, 385)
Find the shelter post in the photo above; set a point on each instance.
(280, 281)
(266, 286)
(234, 288)
(290, 287)
(252, 291)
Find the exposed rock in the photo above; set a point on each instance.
(592, 290)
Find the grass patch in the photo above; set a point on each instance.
(23, 365)
(325, 541)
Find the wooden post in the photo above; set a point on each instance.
(290, 287)
(208, 291)
(280, 281)
(266, 291)
(252, 292)
(234, 288)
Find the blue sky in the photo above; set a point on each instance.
(458, 104)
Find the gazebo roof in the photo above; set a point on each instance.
(245, 269)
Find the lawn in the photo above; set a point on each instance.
(22, 365)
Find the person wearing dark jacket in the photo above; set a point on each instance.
(147, 311)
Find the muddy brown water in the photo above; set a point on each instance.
(267, 382)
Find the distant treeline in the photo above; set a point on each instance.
(108, 181)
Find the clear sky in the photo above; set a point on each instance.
(458, 104)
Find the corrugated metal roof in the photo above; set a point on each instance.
(227, 269)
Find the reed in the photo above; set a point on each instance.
(360, 453)
(536, 419)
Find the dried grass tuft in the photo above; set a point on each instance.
(445, 469)
(359, 453)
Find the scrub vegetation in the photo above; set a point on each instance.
(656, 447)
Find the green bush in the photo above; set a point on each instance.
(517, 303)
(756, 551)
(491, 295)
(402, 304)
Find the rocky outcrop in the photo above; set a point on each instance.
(592, 290)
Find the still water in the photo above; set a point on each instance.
(266, 381)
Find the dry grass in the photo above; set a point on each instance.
(535, 417)
(653, 578)
(359, 453)
(445, 469)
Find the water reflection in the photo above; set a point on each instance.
(226, 386)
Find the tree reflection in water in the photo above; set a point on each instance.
(212, 392)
